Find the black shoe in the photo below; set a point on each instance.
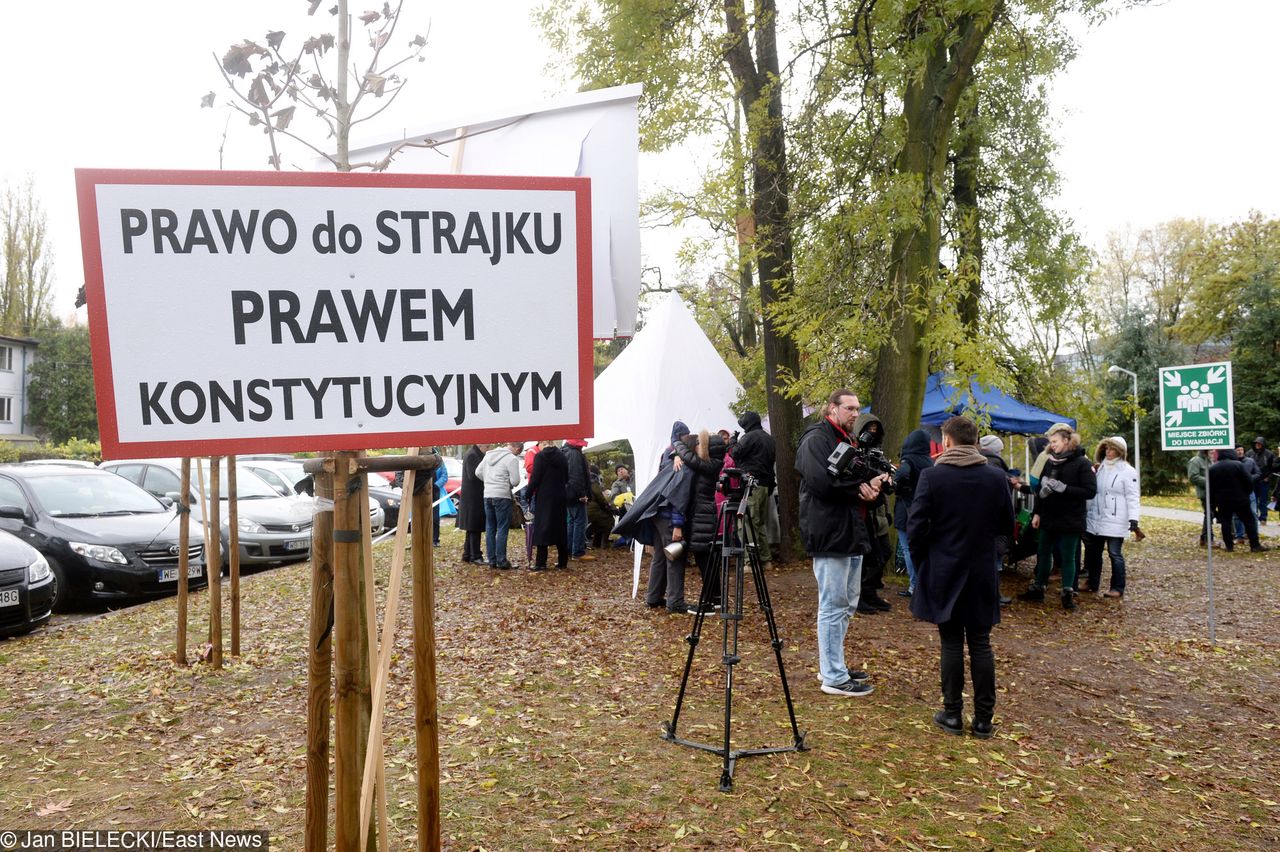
(849, 689)
(1258, 548)
(504, 566)
(1005, 600)
(692, 609)
(865, 608)
(658, 605)
(982, 730)
(1068, 599)
(678, 609)
(952, 723)
(1035, 594)
(879, 602)
(1093, 590)
(905, 593)
(859, 676)
(537, 567)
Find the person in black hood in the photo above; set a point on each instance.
(1266, 463)
(1067, 483)
(833, 525)
(915, 460)
(755, 453)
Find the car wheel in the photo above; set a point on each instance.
(62, 595)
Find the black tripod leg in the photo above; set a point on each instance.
(731, 557)
(766, 604)
(695, 634)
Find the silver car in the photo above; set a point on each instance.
(284, 475)
(272, 528)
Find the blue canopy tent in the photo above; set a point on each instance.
(1007, 414)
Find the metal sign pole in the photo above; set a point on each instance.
(1208, 518)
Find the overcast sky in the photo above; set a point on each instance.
(1167, 111)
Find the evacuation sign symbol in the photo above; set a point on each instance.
(1196, 410)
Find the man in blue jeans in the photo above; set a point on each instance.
(500, 471)
(577, 492)
(834, 499)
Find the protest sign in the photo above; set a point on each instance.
(237, 312)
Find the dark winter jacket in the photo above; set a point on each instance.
(547, 491)
(668, 489)
(915, 460)
(471, 512)
(756, 451)
(956, 518)
(1229, 485)
(599, 509)
(1251, 468)
(1064, 511)
(832, 514)
(1262, 457)
(700, 515)
(579, 481)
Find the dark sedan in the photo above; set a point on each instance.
(26, 587)
(103, 537)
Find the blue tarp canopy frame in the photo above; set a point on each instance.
(942, 400)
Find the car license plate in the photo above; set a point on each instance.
(297, 544)
(170, 575)
(9, 597)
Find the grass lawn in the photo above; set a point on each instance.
(1118, 725)
(1187, 501)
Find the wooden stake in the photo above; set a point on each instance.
(233, 520)
(348, 655)
(390, 617)
(424, 671)
(320, 667)
(215, 567)
(184, 542)
(371, 641)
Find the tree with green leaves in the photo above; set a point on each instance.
(60, 392)
(26, 289)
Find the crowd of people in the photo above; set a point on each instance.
(551, 492)
(960, 514)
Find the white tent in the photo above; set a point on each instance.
(669, 372)
(588, 134)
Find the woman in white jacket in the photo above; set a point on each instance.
(1111, 515)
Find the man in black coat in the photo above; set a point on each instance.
(962, 506)
(1266, 463)
(833, 525)
(1229, 488)
(577, 495)
(547, 495)
(471, 508)
(756, 453)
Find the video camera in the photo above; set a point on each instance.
(859, 463)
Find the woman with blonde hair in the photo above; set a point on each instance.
(1111, 515)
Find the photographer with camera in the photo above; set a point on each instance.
(705, 459)
(836, 491)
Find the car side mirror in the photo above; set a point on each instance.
(166, 501)
(15, 512)
(172, 496)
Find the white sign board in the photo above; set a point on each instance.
(237, 312)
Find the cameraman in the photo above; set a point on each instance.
(833, 524)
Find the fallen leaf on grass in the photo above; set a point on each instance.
(54, 808)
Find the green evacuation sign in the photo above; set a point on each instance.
(1196, 407)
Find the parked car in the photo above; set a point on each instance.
(272, 528)
(26, 587)
(103, 537)
(284, 476)
(63, 462)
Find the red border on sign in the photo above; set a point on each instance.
(87, 181)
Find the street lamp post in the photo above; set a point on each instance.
(1137, 456)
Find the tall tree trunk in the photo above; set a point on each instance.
(929, 107)
(965, 195)
(759, 85)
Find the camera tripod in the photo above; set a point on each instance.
(726, 564)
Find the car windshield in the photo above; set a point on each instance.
(91, 495)
(291, 472)
(249, 486)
